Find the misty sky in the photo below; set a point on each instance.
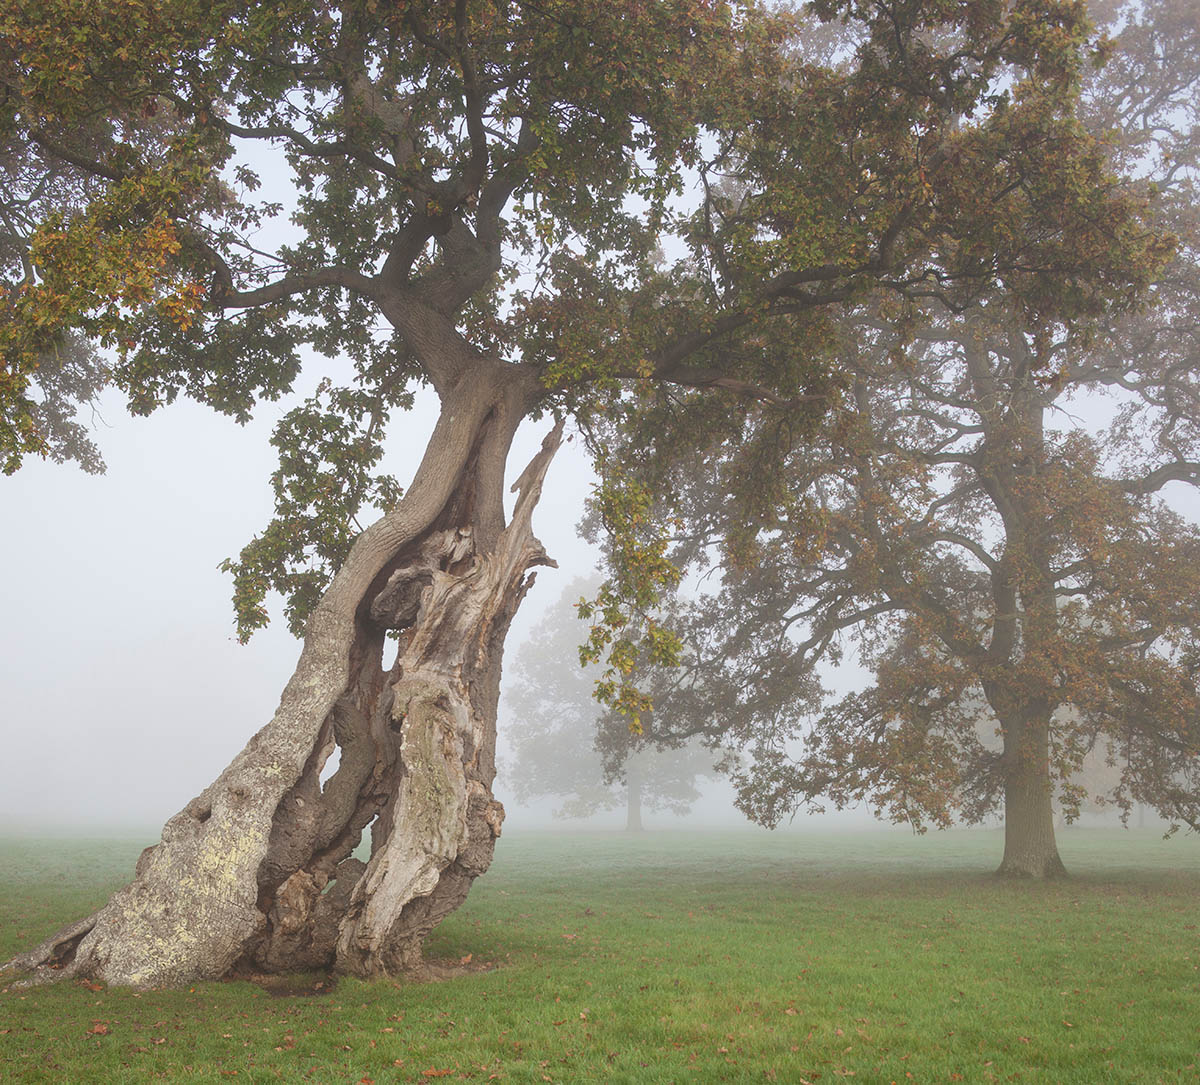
(124, 690)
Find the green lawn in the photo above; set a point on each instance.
(682, 956)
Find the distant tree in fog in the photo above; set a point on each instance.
(983, 549)
(568, 746)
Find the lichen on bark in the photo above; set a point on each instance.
(256, 873)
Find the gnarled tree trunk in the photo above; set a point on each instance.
(256, 872)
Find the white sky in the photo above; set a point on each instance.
(122, 686)
(123, 691)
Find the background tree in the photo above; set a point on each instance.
(479, 192)
(985, 550)
(557, 731)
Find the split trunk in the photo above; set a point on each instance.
(400, 676)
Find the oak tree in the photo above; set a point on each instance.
(1010, 574)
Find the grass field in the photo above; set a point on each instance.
(681, 957)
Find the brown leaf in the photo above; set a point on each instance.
(98, 1029)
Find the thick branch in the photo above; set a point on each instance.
(1180, 471)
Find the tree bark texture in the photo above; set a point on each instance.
(400, 674)
(1030, 850)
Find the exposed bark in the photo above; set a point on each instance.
(256, 871)
(1030, 850)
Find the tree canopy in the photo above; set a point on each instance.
(999, 565)
(480, 180)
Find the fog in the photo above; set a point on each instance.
(124, 689)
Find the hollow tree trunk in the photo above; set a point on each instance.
(256, 872)
(1030, 850)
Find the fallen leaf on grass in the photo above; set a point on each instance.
(98, 1029)
(437, 1073)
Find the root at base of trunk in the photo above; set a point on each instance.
(1032, 867)
(257, 873)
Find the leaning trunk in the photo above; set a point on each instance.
(1030, 850)
(400, 675)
